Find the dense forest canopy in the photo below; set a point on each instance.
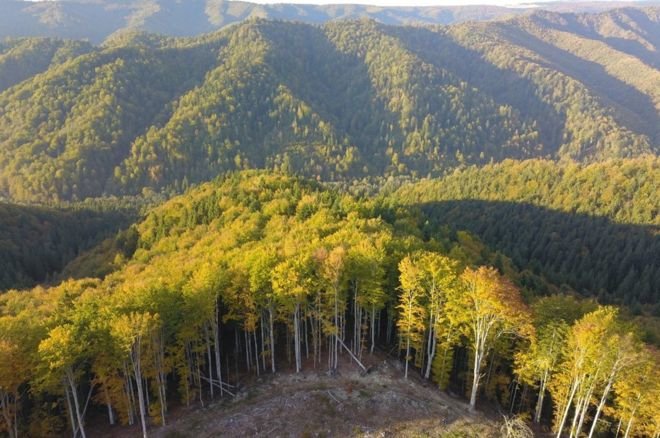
(178, 213)
(276, 273)
(341, 101)
(594, 228)
(37, 242)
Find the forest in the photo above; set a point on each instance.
(593, 227)
(259, 272)
(181, 212)
(344, 101)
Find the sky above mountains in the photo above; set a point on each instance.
(415, 2)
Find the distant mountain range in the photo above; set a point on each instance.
(95, 20)
(338, 102)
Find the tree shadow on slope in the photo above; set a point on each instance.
(37, 242)
(336, 85)
(634, 109)
(643, 28)
(618, 263)
(503, 86)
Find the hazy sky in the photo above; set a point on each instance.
(408, 3)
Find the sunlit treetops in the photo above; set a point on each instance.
(272, 274)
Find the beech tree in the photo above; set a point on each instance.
(292, 282)
(537, 364)
(61, 352)
(581, 368)
(411, 311)
(488, 307)
(133, 332)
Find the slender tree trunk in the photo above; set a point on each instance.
(216, 347)
(373, 329)
(603, 399)
(390, 325)
(248, 357)
(576, 414)
(74, 394)
(263, 342)
(198, 372)
(256, 351)
(480, 343)
(111, 414)
(272, 339)
(69, 406)
(137, 371)
(334, 364)
(431, 352)
(585, 407)
(304, 323)
(296, 333)
(629, 426)
(569, 401)
(130, 395)
(475, 381)
(405, 375)
(210, 364)
(539, 401)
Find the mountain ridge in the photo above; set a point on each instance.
(96, 20)
(148, 113)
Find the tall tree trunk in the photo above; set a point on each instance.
(599, 409)
(585, 407)
(74, 393)
(216, 347)
(305, 334)
(405, 374)
(539, 401)
(248, 357)
(137, 371)
(263, 341)
(569, 401)
(629, 426)
(431, 347)
(479, 347)
(334, 364)
(373, 329)
(69, 405)
(111, 414)
(256, 351)
(390, 325)
(296, 335)
(272, 338)
(210, 360)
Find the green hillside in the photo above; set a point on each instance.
(36, 243)
(342, 101)
(594, 228)
(259, 273)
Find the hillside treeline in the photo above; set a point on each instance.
(258, 273)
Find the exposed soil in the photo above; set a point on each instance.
(314, 403)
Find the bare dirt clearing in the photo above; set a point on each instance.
(314, 403)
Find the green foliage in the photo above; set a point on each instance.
(23, 58)
(256, 265)
(591, 227)
(340, 102)
(37, 242)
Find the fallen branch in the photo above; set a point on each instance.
(333, 397)
(352, 355)
(215, 383)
